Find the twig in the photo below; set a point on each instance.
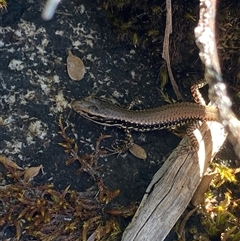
(183, 223)
(165, 54)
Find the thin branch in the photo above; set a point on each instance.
(206, 41)
(165, 54)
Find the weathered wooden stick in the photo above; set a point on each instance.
(206, 42)
(173, 186)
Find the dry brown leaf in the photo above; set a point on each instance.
(138, 151)
(9, 163)
(75, 67)
(32, 172)
(198, 196)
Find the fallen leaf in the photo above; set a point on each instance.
(138, 151)
(32, 172)
(198, 196)
(75, 67)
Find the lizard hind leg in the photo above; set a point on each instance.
(197, 96)
(193, 141)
